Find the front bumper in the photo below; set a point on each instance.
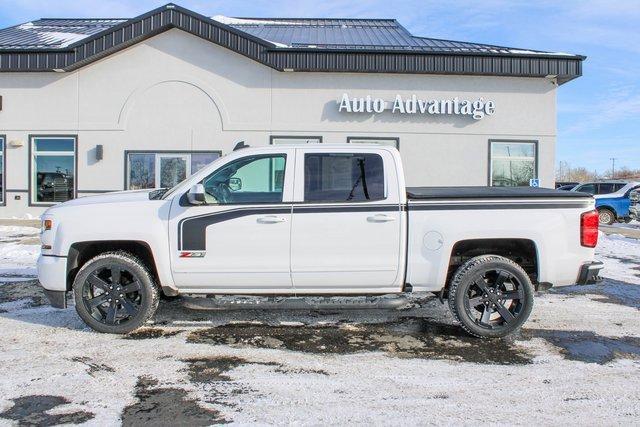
(590, 273)
(634, 212)
(52, 274)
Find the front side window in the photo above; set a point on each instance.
(337, 177)
(513, 164)
(163, 170)
(587, 188)
(53, 169)
(252, 179)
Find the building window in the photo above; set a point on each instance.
(295, 140)
(338, 177)
(253, 179)
(2, 170)
(163, 169)
(391, 142)
(53, 169)
(512, 163)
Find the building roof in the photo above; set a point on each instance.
(285, 44)
(356, 34)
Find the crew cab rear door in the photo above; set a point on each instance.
(347, 224)
(239, 242)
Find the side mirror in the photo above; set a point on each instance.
(235, 184)
(196, 195)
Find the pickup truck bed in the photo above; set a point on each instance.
(431, 193)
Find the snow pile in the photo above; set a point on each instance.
(19, 251)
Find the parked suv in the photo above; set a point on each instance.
(613, 205)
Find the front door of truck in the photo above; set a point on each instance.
(239, 241)
(347, 229)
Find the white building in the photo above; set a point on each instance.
(97, 105)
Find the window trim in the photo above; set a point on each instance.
(3, 150)
(375, 138)
(536, 161)
(127, 152)
(385, 193)
(32, 151)
(272, 137)
(257, 157)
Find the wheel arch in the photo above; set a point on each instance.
(81, 252)
(609, 208)
(522, 251)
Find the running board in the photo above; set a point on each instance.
(295, 303)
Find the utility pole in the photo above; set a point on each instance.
(613, 167)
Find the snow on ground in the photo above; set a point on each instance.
(618, 252)
(19, 249)
(577, 360)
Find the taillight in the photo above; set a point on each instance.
(589, 229)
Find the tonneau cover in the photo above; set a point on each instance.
(427, 193)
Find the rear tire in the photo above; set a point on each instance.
(491, 296)
(115, 293)
(606, 216)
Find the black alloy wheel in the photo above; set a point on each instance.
(115, 293)
(494, 299)
(491, 296)
(112, 294)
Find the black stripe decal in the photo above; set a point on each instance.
(486, 206)
(192, 231)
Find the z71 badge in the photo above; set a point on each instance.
(192, 254)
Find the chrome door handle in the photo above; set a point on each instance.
(271, 219)
(380, 218)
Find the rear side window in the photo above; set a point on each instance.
(606, 188)
(338, 177)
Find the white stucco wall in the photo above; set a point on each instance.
(178, 92)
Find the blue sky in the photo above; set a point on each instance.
(598, 114)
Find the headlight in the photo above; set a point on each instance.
(47, 225)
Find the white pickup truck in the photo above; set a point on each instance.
(316, 220)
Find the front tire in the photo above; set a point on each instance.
(115, 293)
(491, 296)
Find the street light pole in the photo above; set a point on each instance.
(613, 167)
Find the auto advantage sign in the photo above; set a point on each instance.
(477, 109)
